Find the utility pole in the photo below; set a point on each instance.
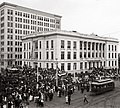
(74, 71)
(56, 72)
(37, 78)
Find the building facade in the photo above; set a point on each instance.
(16, 22)
(70, 50)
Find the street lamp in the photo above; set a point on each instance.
(56, 72)
(37, 78)
(74, 71)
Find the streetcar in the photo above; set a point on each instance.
(101, 86)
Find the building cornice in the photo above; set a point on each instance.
(71, 34)
(31, 10)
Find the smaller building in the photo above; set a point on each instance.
(70, 50)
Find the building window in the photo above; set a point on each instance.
(74, 66)
(29, 45)
(99, 54)
(52, 55)
(2, 64)
(24, 55)
(2, 49)
(97, 64)
(92, 54)
(47, 65)
(85, 55)
(109, 63)
(112, 55)
(47, 55)
(52, 65)
(109, 55)
(80, 45)
(68, 44)
(112, 63)
(2, 31)
(104, 64)
(96, 54)
(80, 54)
(103, 47)
(52, 43)
(2, 19)
(2, 43)
(69, 66)
(62, 44)
(47, 44)
(40, 44)
(2, 56)
(2, 12)
(93, 46)
(103, 54)
(2, 37)
(89, 45)
(112, 48)
(115, 55)
(69, 55)
(109, 47)
(2, 25)
(81, 65)
(40, 55)
(62, 54)
(115, 63)
(85, 65)
(10, 12)
(89, 55)
(115, 48)
(62, 66)
(85, 45)
(96, 46)
(74, 45)
(36, 44)
(100, 47)
(74, 55)
(36, 55)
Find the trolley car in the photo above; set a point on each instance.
(101, 86)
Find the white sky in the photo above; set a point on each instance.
(101, 17)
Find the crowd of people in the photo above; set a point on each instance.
(19, 86)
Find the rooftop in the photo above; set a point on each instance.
(25, 9)
(69, 33)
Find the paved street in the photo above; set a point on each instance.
(77, 101)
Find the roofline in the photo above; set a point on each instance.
(69, 33)
(14, 5)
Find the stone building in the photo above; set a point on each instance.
(70, 50)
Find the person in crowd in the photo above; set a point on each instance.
(42, 99)
(69, 96)
(66, 98)
(85, 99)
(20, 86)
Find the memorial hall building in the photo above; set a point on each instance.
(69, 50)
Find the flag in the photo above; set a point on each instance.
(62, 73)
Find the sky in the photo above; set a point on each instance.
(101, 17)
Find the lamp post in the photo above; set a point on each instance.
(37, 78)
(74, 71)
(56, 72)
